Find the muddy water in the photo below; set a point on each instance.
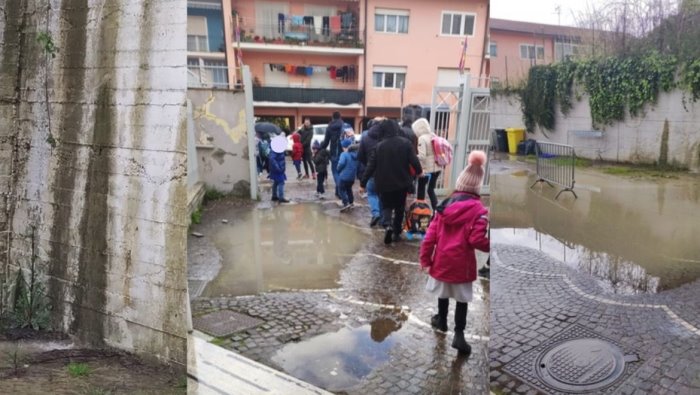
(286, 247)
(337, 361)
(634, 235)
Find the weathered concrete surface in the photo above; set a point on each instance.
(92, 155)
(221, 137)
(636, 140)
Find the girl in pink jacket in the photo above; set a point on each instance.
(447, 252)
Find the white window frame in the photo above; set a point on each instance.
(464, 14)
(493, 54)
(198, 38)
(535, 49)
(386, 12)
(384, 70)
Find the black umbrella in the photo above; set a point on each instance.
(267, 130)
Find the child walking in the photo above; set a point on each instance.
(297, 153)
(347, 168)
(321, 158)
(448, 251)
(277, 168)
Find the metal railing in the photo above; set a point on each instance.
(555, 165)
(307, 95)
(294, 34)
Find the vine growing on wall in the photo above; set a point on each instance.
(615, 86)
(50, 50)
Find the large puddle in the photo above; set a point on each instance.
(633, 235)
(286, 247)
(339, 360)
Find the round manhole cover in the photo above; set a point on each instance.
(581, 365)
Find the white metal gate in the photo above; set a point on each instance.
(461, 115)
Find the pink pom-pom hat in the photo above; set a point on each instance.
(472, 176)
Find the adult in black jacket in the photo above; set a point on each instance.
(332, 139)
(306, 131)
(389, 165)
(407, 132)
(368, 144)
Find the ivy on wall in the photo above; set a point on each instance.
(615, 86)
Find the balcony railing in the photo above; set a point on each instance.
(308, 35)
(341, 97)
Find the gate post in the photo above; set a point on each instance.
(250, 126)
(462, 137)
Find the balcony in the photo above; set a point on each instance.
(205, 73)
(288, 37)
(273, 96)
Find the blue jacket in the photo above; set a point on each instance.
(347, 165)
(277, 167)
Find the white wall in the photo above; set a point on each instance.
(636, 140)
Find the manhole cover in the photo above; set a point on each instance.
(581, 365)
(224, 322)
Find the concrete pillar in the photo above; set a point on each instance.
(229, 25)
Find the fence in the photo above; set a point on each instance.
(555, 165)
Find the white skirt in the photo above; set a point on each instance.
(461, 292)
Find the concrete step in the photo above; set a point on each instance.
(215, 370)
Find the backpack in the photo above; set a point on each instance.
(418, 217)
(442, 150)
(264, 147)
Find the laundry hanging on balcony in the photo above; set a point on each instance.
(345, 73)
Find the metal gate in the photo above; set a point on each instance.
(461, 115)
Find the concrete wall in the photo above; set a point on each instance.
(636, 140)
(99, 168)
(221, 138)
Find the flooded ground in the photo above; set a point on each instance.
(634, 235)
(289, 247)
(339, 360)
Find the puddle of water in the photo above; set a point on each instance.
(339, 360)
(634, 235)
(286, 247)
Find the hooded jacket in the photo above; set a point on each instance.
(390, 163)
(347, 165)
(277, 165)
(307, 135)
(408, 133)
(332, 139)
(425, 145)
(321, 159)
(459, 228)
(297, 147)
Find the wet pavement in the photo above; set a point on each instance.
(339, 309)
(618, 266)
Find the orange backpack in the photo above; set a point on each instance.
(418, 217)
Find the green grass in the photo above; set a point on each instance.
(212, 194)
(196, 217)
(638, 172)
(218, 341)
(78, 369)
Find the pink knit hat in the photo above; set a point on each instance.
(471, 177)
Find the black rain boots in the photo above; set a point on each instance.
(439, 320)
(460, 324)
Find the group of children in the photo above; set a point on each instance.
(459, 226)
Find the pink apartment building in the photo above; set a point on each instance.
(516, 46)
(312, 57)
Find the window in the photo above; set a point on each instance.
(564, 50)
(457, 23)
(389, 77)
(390, 21)
(197, 40)
(527, 51)
(493, 49)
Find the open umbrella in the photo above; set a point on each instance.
(267, 130)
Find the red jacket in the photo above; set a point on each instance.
(453, 235)
(297, 148)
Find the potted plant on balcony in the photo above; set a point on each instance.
(257, 39)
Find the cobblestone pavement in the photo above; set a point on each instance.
(537, 300)
(380, 287)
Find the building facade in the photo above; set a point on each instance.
(363, 58)
(515, 47)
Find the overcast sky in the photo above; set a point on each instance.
(540, 11)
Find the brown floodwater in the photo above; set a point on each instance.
(285, 247)
(634, 235)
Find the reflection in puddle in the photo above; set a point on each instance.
(339, 360)
(634, 235)
(287, 247)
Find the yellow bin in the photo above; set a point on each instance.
(515, 135)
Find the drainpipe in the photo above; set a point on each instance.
(487, 47)
(364, 61)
